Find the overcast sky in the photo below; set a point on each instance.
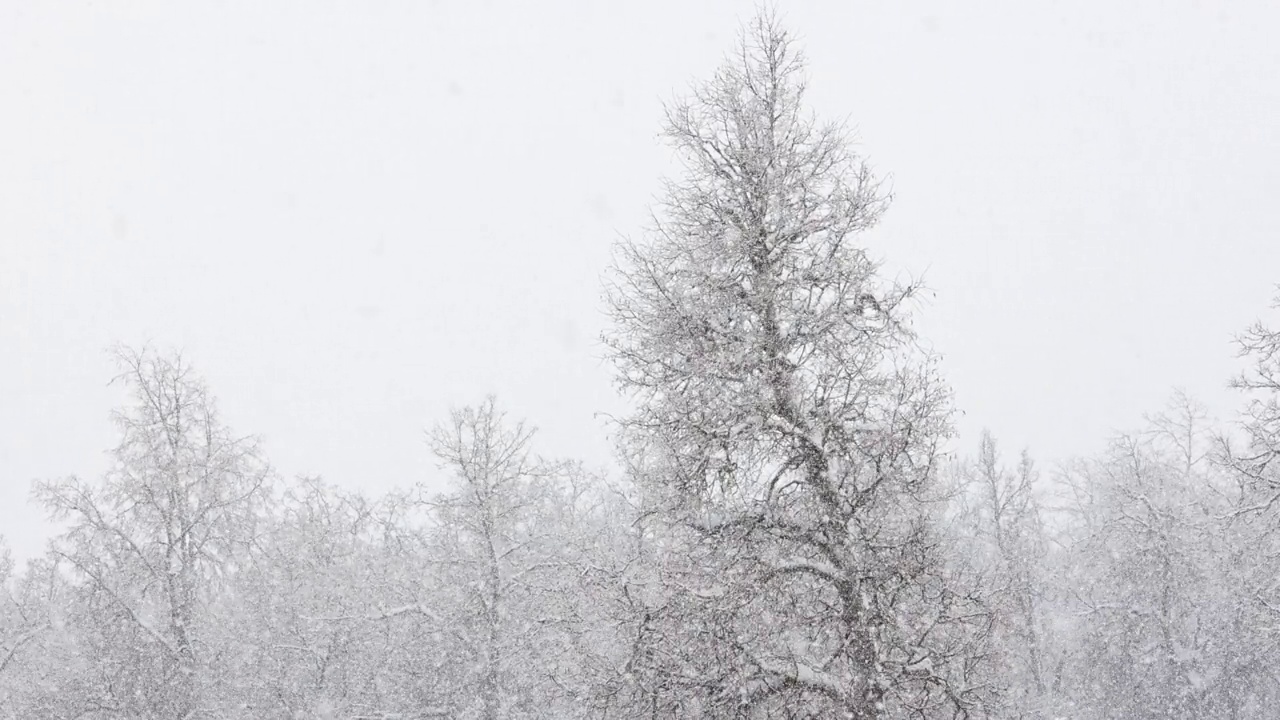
(351, 216)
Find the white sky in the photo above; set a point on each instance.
(354, 215)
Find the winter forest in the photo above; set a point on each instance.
(786, 531)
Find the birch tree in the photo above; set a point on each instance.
(527, 552)
(25, 621)
(19, 625)
(1157, 582)
(790, 424)
(1004, 535)
(319, 603)
(1256, 461)
(41, 672)
(150, 544)
(1250, 459)
(482, 532)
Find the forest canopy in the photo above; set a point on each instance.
(784, 533)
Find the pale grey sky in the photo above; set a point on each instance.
(354, 215)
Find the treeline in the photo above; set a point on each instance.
(784, 535)
(191, 582)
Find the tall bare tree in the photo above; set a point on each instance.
(1256, 462)
(789, 424)
(150, 544)
(1002, 532)
(19, 625)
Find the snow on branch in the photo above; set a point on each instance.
(414, 608)
(19, 641)
(795, 674)
(819, 568)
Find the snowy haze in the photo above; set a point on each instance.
(354, 216)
